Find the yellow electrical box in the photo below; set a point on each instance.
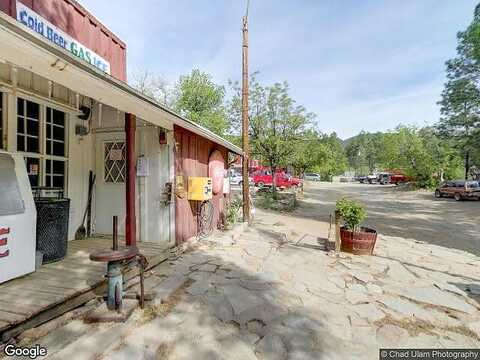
(199, 188)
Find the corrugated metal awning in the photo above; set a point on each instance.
(24, 48)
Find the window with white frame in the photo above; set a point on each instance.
(41, 135)
(55, 146)
(114, 160)
(28, 126)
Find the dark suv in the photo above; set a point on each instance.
(459, 190)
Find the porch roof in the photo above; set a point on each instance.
(25, 48)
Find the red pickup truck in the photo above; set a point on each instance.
(264, 177)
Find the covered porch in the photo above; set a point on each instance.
(58, 287)
(106, 127)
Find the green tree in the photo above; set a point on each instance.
(277, 123)
(318, 153)
(460, 121)
(363, 152)
(199, 99)
(446, 160)
(460, 103)
(420, 154)
(333, 160)
(308, 152)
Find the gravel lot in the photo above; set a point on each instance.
(274, 291)
(394, 211)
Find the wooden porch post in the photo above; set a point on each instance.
(130, 220)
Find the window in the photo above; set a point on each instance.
(55, 132)
(55, 173)
(33, 170)
(55, 145)
(28, 126)
(114, 171)
(42, 134)
(1, 120)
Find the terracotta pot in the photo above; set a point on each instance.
(360, 242)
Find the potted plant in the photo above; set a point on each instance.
(355, 238)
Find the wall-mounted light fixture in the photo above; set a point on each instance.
(162, 137)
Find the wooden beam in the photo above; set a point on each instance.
(130, 220)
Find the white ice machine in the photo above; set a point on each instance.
(17, 218)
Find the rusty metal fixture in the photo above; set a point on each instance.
(123, 253)
(115, 233)
(338, 239)
(360, 242)
(142, 263)
(115, 259)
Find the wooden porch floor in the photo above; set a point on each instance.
(59, 287)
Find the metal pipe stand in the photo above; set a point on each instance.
(117, 259)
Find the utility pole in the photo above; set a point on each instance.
(245, 124)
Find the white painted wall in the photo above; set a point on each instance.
(81, 161)
(109, 197)
(155, 220)
(155, 215)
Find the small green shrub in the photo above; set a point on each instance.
(233, 210)
(266, 200)
(284, 202)
(352, 213)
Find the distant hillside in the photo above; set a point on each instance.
(349, 140)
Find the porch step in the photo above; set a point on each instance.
(78, 340)
(95, 341)
(63, 336)
(145, 342)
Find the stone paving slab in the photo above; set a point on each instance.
(263, 297)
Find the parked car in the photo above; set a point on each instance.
(459, 190)
(237, 179)
(383, 178)
(264, 177)
(312, 177)
(369, 179)
(388, 178)
(399, 179)
(346, 179)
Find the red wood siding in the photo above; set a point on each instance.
(77, 22)
(191, 159)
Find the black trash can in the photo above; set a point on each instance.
(52, 223)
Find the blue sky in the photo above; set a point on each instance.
(356, 64)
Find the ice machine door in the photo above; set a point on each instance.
(17, 219)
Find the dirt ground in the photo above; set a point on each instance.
(394, 212)
(274, 291)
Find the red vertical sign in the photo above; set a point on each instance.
(3, 241)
